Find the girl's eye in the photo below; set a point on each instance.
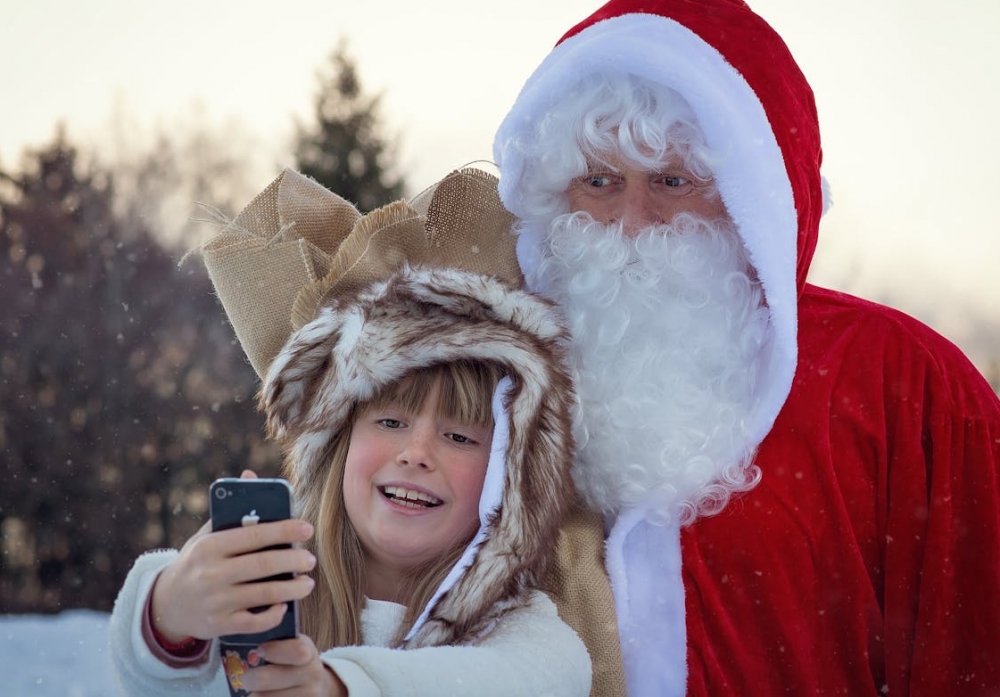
(459, 438)
(391, 423)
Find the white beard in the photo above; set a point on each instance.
(667, 330)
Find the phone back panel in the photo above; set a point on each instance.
(239, 502)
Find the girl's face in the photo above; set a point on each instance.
(412, 482)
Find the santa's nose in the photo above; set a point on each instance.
(639, 209)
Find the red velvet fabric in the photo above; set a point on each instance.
(867, 561)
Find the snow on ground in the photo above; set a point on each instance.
(61, 655)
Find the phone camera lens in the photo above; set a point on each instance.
(221, 493)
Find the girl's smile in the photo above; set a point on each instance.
(409, 497)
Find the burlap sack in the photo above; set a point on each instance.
(580, 587)
(297, 244)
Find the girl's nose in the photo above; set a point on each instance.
(417, 451)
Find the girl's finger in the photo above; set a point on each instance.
(299, 651)
(246, 622)
(237, 541)
(249, 595)
(269, 563)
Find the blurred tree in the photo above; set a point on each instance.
(62, 248)
(120, 386)
(345, 149)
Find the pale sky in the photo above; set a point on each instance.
(908, 94)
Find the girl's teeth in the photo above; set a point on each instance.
(408, 497)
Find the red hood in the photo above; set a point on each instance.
(755, 50)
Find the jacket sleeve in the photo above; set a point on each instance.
(530, 652)
(137, 670)
(914, 435)
(942, 536)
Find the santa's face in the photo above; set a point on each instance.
(615, 191)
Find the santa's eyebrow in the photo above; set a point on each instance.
(595, 164)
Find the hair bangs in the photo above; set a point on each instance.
(466, 391)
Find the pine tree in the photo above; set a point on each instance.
(345, 149)
(118, 374)
(67, 417)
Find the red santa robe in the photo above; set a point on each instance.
(867, 560)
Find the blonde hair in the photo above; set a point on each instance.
(331, 614)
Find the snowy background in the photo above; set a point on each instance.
(899, 85)
(61, 655)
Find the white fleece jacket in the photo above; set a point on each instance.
(531, 652)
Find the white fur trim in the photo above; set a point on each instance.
(644, 565)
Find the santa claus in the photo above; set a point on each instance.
(798, 490)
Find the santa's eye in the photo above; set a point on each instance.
(673, 183)
(596, 180)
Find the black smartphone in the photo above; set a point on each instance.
(240, 502)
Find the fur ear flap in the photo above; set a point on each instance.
(289, 388)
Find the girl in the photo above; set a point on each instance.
(426, 420)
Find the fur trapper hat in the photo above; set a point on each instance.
(405, 290)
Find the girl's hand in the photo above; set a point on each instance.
(204, 592)
(293, 669)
